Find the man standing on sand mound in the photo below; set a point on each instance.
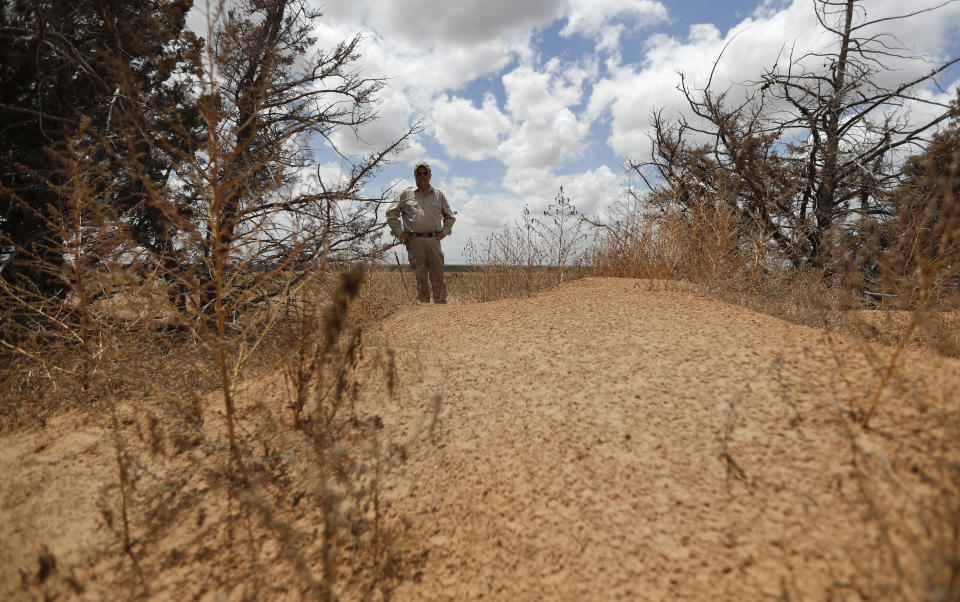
(421, 217)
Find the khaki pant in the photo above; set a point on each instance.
(426, 259)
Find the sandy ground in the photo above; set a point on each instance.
(606, 440)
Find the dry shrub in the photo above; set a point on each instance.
(256, 489)
(294, 505)
(509, 265)
(864, 289)
(702, 245)
(529, 255)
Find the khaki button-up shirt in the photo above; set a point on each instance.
(414, 211)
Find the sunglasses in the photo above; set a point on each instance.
(422, 173)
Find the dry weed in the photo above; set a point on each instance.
(529, 255)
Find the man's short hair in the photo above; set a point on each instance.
(421, 164)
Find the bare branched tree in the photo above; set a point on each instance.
(814, 144)
(205, 156)
(271, 103)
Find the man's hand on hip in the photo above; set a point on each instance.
(405, 237)
(441, 236)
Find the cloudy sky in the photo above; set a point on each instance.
(520, 97)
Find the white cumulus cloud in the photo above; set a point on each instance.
(467, 131)
(547, 131)
(589, 17)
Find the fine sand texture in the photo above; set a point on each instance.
(610, 439)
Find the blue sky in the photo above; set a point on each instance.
(520, 97)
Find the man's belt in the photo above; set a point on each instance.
(422, 234)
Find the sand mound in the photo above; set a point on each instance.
(610, 439)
